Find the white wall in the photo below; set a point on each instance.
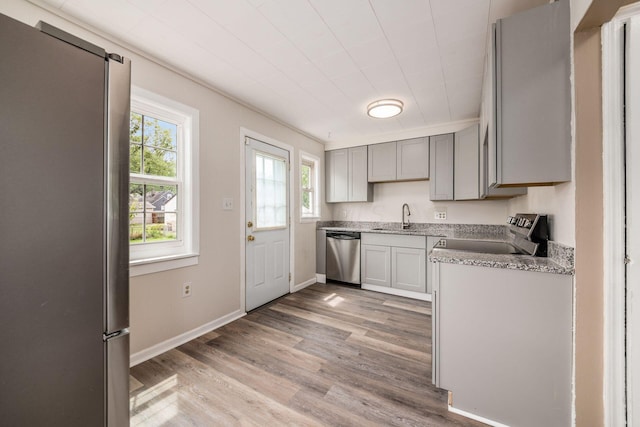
(158, 313)
(558, 202)
(389, 197)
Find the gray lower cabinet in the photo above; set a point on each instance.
(321, 252)
(408, 269)
(502, 343)
(431, 242)
(441, 167)
(532, 98)
(346, 175)
(393, 261)
(375, 267)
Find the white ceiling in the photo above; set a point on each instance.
(316, 64)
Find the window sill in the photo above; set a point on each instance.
(141, 267)
(308, 219)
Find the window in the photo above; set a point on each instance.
(163, 178)
(271, 192)
(309, 188)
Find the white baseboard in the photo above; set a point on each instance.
(304, 284)
(174, 342)
(476, 417)
(400, 292)
(321, 278)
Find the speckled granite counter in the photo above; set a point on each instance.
(559, 261)
(453, 231)
(513, 262)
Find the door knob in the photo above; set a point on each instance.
(250, 238)
(249, 224)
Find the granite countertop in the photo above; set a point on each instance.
(559, 260)
(452, 231)
(513, 262)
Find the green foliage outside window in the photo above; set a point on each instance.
(153, 152)
(305, 179)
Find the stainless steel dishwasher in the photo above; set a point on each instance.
(343, 256)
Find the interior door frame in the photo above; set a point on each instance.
(614, 250)
(244, 133)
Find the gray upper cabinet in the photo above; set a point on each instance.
(488, 132)
(337, 175)
(532, 90)
(466, 164)
(487, 192)
(412, 159)
(441, 149)
(346, 176)
(404, 160)
(359, 188)
(382, 162)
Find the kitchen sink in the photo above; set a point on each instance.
(479, 246)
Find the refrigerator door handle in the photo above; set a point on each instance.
(117, 194)
(107, 337)
(117, 378)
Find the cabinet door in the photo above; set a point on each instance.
(441, 165)
(412, 159)
(431, 242)
(382, 162)
(375, 265)
(533, 96)
(466, 164)
(408, 269)
(359, 188)
(487, 192)
(337, 170)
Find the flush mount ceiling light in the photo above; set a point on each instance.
(385, 108)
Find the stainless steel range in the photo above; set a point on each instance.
(531, 233)
(530, 236)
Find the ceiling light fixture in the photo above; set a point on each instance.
(385, 108)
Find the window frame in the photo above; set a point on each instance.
(314, 190)
(152, 257)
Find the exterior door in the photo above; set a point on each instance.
(267, 215)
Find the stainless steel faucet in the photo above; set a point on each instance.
(405, 223)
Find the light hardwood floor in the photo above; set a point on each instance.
(329, 355)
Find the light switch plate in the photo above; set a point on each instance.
(227, 204)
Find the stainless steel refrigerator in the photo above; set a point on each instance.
(64, 252)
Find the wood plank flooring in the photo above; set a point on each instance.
(329, 355)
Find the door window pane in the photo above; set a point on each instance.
(270, 196)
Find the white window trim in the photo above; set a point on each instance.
(156, 257)
(310, 158)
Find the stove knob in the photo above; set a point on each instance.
(509, 220)
(528, 224)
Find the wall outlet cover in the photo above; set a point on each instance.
(440, 215)
(186, 290)
(227, 204)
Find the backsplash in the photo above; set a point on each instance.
(388, 199)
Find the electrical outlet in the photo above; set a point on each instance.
(227, 204)
(440, 215)
(186, 290)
